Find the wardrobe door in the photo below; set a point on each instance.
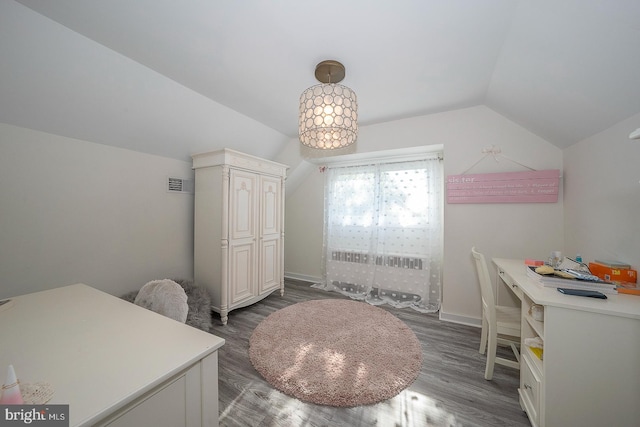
(270, 233)
(243, 204)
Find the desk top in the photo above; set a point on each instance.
(623, 305)
(98, 351)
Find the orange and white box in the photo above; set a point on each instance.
(612, 274)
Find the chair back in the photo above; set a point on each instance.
(486, 290)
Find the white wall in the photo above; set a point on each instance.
(527, 230)
(499, 230)
(602, 195)
(73, 211)
(58, 81)
(303, 228)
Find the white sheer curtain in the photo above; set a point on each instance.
(383, 233)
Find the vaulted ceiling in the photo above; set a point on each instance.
(177, 77)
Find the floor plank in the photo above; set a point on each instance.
(449, 391)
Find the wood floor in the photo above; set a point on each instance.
(449, 391)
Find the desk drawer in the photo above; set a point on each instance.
(530, 388)
(510, 282)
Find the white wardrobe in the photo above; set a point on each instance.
(239, 228)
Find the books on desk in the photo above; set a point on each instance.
(553, 281)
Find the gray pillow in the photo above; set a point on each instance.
(165, 297)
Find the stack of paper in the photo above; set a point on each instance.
(554, 281)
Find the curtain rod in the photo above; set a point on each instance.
(386, 161)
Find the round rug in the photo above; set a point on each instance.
(336, 352)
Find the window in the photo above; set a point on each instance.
(383, 232)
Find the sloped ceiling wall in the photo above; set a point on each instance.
(175, 78)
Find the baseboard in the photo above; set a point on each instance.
(303, 277)
(445, 317)
(463, 320)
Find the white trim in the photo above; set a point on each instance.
(303, 277)
(462, 320)
(398, 155)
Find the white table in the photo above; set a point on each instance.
(113, 362)
(590, 372)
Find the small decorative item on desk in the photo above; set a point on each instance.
(16, 393)
(11, 389)
(37, 393)
(555, 259)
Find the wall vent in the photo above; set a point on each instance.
(179, 185)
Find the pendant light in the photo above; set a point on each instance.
(328, 111)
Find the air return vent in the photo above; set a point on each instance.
(179, 185)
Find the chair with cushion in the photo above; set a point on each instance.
(500, 324)
(198, 302)
(165, 297)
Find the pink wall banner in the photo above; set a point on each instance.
(505, 187)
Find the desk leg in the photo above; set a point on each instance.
(210, 411)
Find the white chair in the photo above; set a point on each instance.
(500, 324)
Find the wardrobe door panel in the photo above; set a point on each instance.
(271, 203)
(269, 266)
(241, 273)
(243, 205)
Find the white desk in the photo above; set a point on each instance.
(113, 362)
(590, 372)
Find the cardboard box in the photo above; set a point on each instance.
(611, 274)
(628, 288)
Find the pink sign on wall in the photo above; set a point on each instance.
(505, 187)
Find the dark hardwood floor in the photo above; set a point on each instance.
(449, 391)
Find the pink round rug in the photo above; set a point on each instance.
(336, 352)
